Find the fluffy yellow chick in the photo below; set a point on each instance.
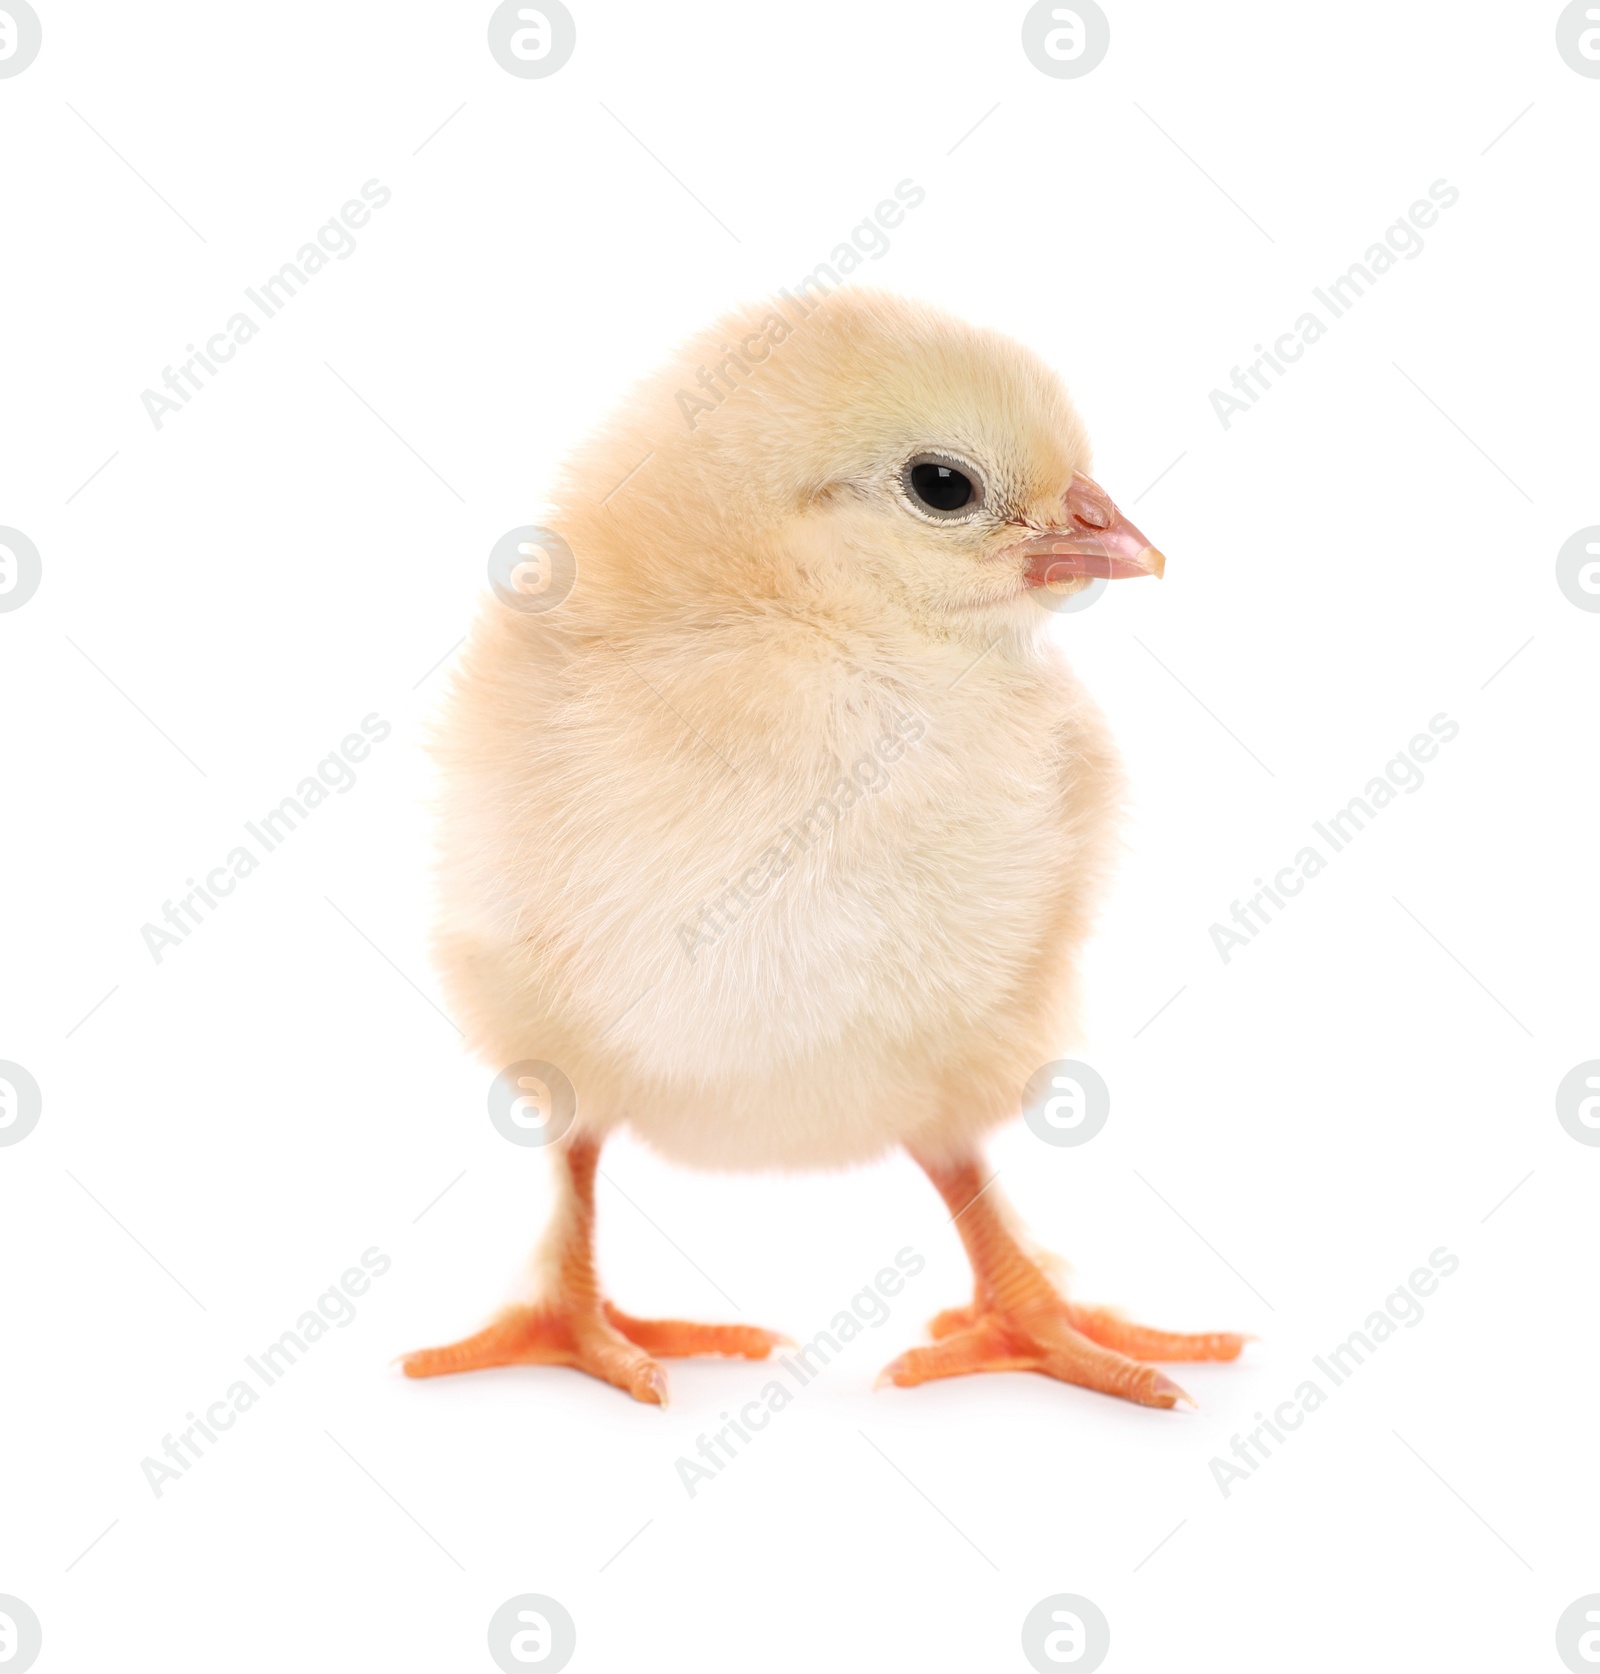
(778, 835)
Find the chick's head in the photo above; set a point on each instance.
(875, 451)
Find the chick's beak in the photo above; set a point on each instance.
(1094, 539)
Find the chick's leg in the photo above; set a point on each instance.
(1018, 1321)
(573, 1325)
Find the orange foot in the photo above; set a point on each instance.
(1094, 1347)
(604, 1342)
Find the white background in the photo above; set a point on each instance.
(1290, 1136)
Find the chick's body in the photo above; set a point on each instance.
(773, 892)
(778, 833)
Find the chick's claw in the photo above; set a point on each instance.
(1144, 1342)
(680, 1338)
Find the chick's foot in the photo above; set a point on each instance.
(550, 1334)
(1092, 1347)
(1019, 1322)
(576, 1326)
(1107, 1327)
(604, 1341)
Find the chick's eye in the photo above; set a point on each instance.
(942, 487)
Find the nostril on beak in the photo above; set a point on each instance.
(1089, 505)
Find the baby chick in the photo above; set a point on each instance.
(779, 835)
